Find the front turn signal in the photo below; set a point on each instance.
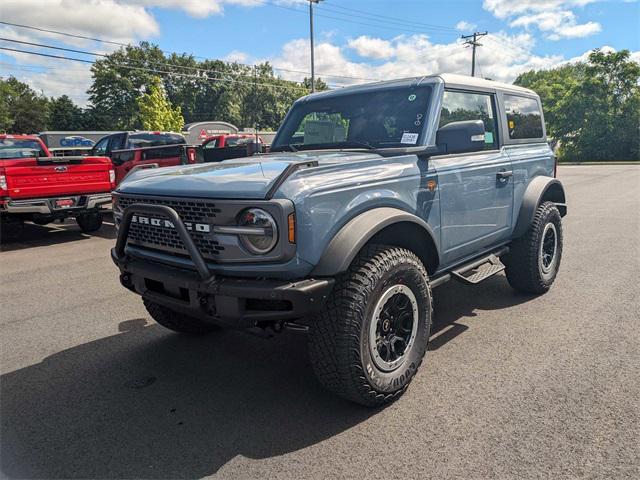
(291, 223)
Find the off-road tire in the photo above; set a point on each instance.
(176, 321)
(10, 229)
(339, 336)
(89, 222)
(522, 263)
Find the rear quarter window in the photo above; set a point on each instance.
(524, 117)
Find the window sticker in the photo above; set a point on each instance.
(409, 138)
(488, 137)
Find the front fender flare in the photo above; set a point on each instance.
(539, 189)
(353, 236)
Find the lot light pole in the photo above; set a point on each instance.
(313, 73)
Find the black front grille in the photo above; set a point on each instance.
(168, 239)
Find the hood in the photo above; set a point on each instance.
(246, 178)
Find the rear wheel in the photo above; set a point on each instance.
(369, 340)
(534, 259)
(176, 321)
(89, 222)
(11, 228)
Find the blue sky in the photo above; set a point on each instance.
(359, 39)
(252, 29)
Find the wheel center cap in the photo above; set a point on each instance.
(386, 325)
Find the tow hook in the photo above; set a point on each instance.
(208, 306)
(127, 281)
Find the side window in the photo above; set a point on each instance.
(118, 141)
(100, 148)
(524, 119)
(460, 106)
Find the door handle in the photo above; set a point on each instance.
(504, 175)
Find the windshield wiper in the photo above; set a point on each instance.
(282, 148)
(294, 147)
(357, 144)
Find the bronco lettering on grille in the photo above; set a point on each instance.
(163, 223)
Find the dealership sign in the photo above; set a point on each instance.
(76, 141)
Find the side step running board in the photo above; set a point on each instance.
(479, 270)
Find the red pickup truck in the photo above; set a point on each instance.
(41, 188)
(228, 146)
(131, 150)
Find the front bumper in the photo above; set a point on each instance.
(229, 301)
(47, 206)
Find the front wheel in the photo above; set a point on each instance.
(534, 259)
(89, 222)
(368, 342)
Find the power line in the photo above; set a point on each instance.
(203, 77)
(66, 34)
(140, 62)
(364, 14)
(379, 25)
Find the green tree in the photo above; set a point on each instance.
(22, 109)
(156, 112)
(592, 108)
(65, 115)
(6, 119)
(119, 79)
(208, 90)
(321, 85)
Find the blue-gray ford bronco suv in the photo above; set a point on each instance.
(371, 196)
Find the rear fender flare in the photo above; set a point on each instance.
(353, 236)
(541, 188)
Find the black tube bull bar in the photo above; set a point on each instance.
(137, 208)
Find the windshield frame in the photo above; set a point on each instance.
(286, 130)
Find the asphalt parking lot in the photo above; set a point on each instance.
(513, 386)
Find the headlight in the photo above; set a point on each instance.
(115, 206)
(261, 234)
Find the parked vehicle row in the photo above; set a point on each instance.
(40, 187)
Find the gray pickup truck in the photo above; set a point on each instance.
(371, 196)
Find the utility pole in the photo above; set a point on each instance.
(313, 73)
(473, 41)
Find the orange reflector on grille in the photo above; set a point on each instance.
(291, 220)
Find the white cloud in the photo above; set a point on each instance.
(369, 47)
(553, 17)
(509, 8)
(236, 56)
(465, 26)
(196, 8)
(557, 24)
(502, 57)
(123, 21)
(96, 18)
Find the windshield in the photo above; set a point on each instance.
(237, 141)
(377, 119)
(19, 148)
(138, 140)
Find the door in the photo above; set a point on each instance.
(476, 189)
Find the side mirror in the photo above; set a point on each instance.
(461, 137)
